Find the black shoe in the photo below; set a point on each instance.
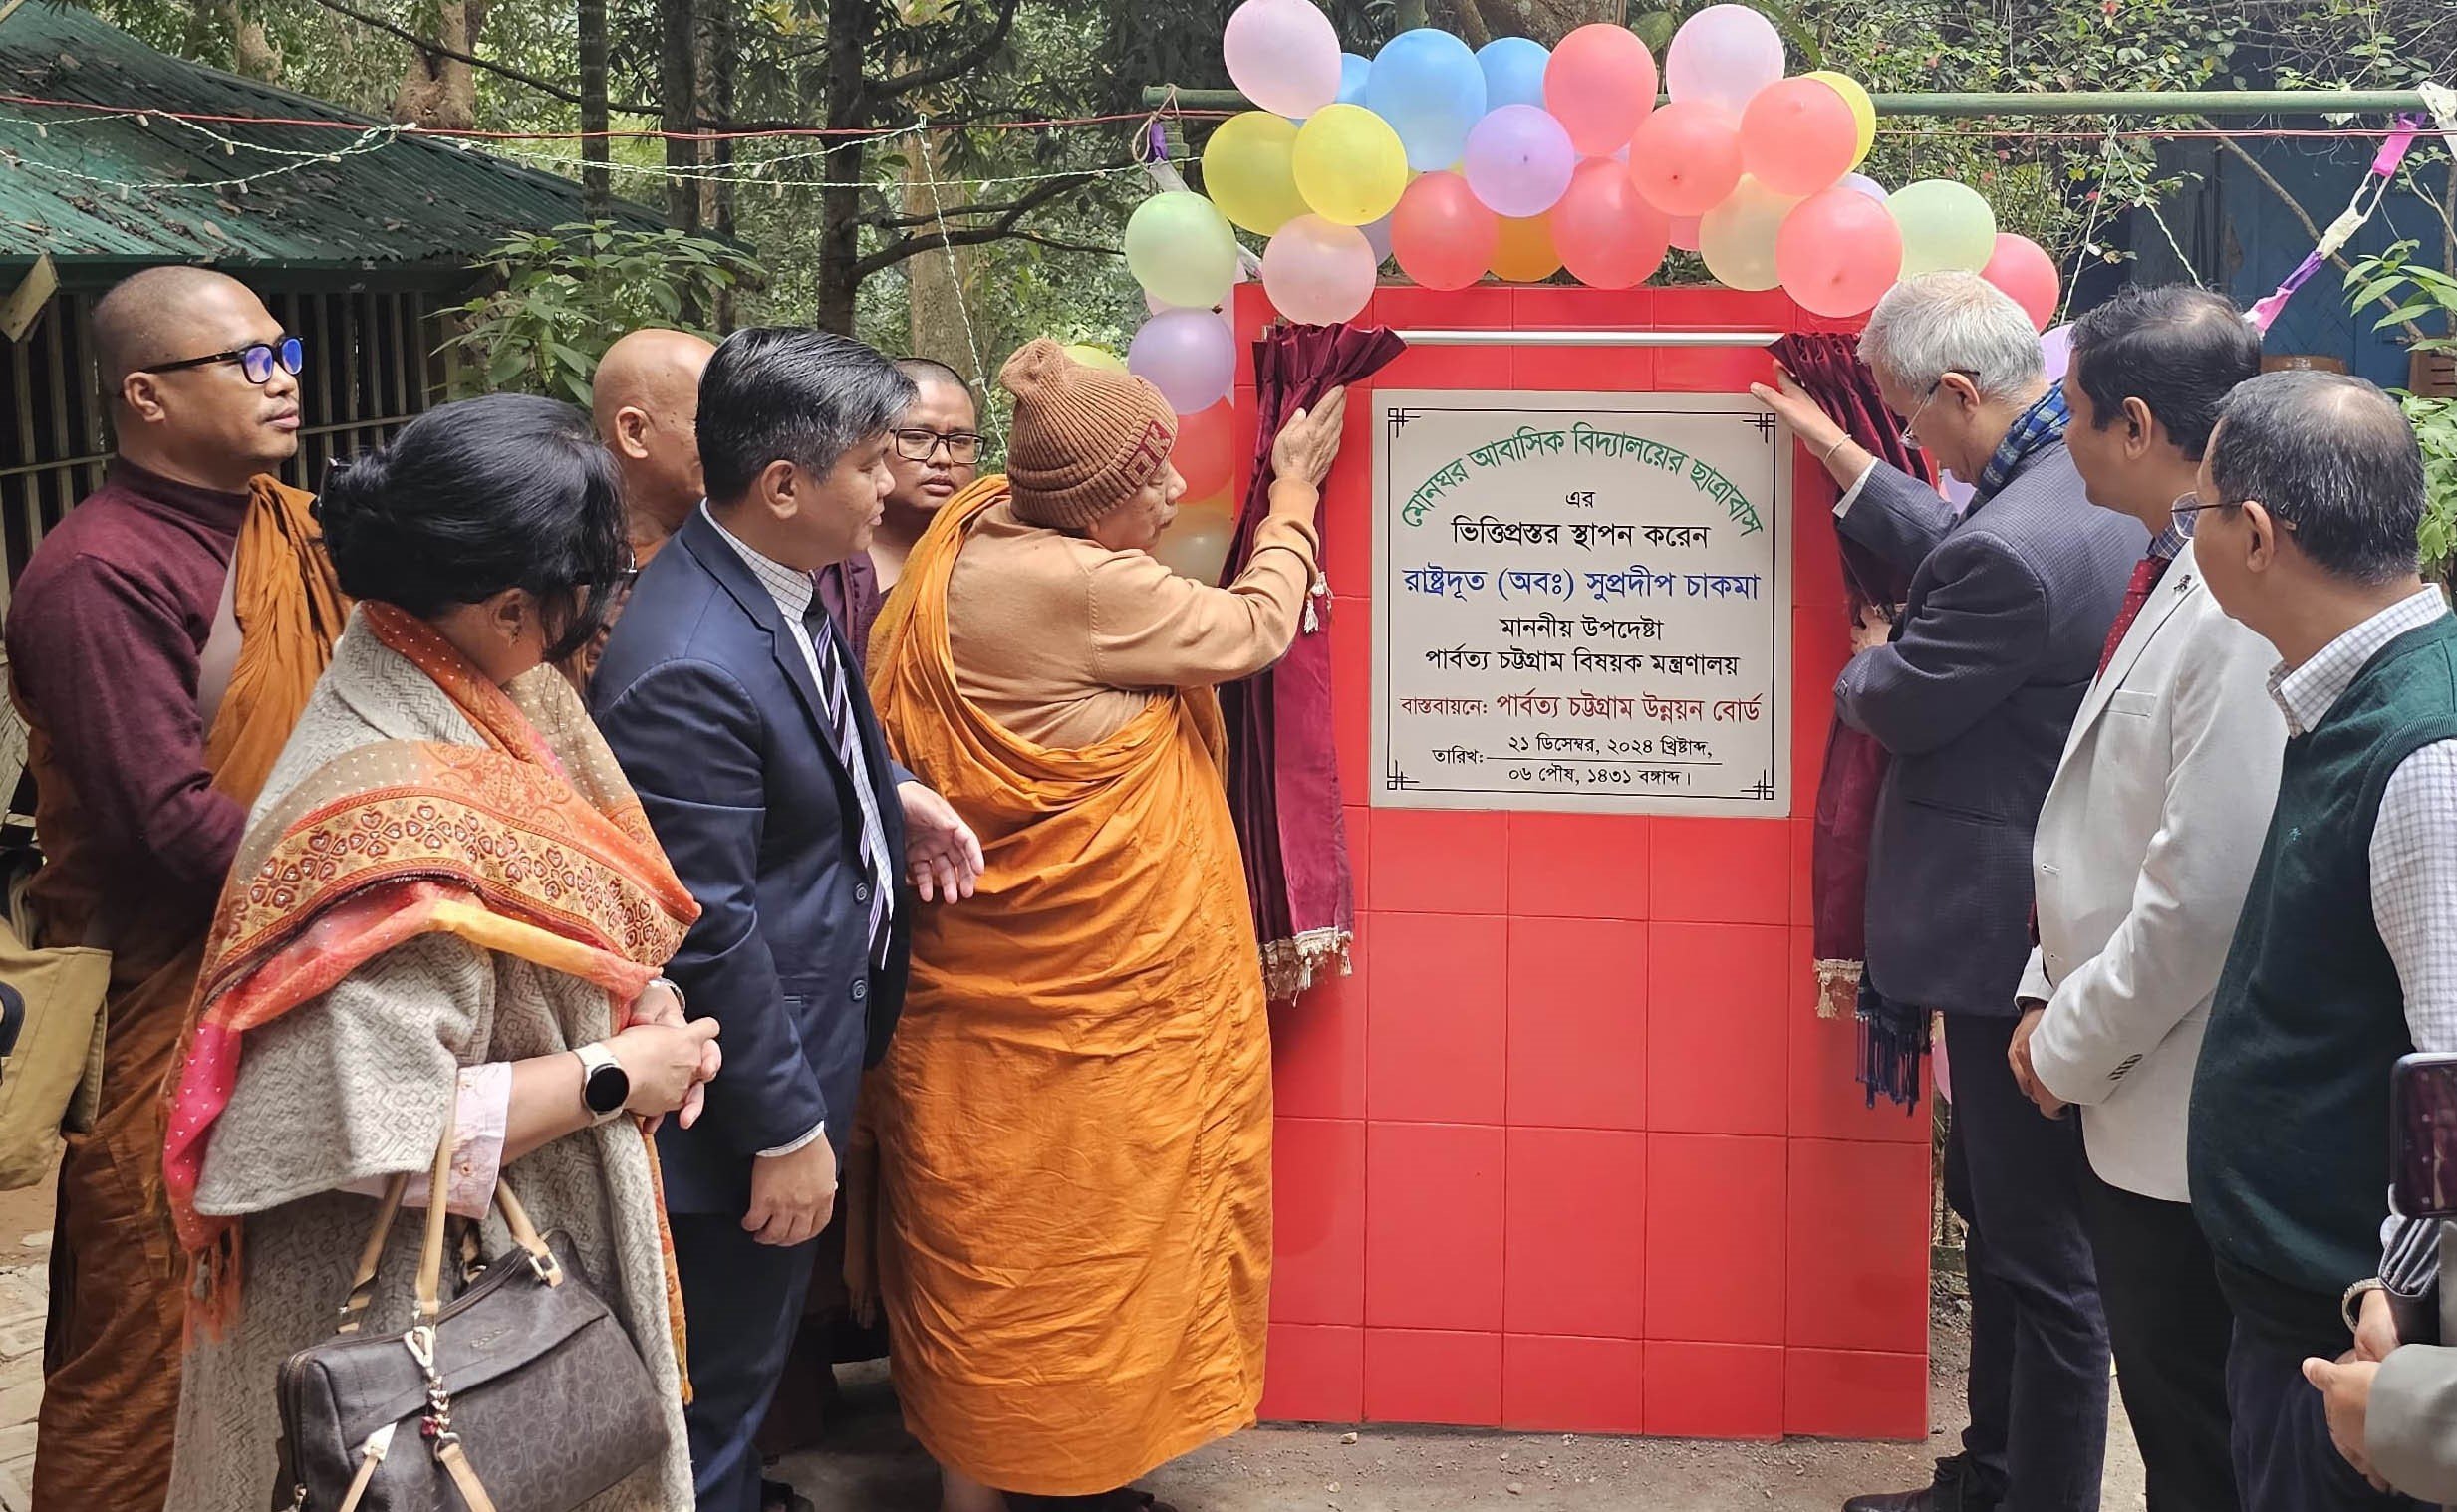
(1957, 1488)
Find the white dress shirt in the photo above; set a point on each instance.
(794, 591)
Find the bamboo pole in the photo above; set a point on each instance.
(2146, 103)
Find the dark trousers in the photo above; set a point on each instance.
(2171, 1329)
(743, 1302)
(2284, 1461)
(2037, 1388)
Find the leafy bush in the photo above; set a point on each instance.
(2420, 293)
(567, 294)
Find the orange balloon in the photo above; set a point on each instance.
(1525, 254)
(1206, 453)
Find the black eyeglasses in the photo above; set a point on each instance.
(963, 446)
(2186, 512)
(256, 359)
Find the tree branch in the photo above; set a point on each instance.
(1054, 244)
(999, 230)
(2311, 228)
(951, 68)
(436, 49)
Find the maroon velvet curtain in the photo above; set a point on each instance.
(1283, 776)
(1827, 365)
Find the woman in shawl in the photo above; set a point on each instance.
(447, 904)
(1074, 1123)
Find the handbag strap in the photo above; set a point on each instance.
(431, 1247)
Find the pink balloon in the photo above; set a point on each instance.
(1600, 84)
(1189, 356)
(1686, 157)
(1685, 232)
(2023, 269)
(1608, 236)
(1519, 160)
(1442, 234)
(1838, 252)
(1725, 54)
(1319, 272)
(1284, 54)
(1798, 136)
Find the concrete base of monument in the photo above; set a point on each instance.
(869, 1465)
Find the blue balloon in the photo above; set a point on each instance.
(1431, 90)
(1352, 72)
(1513, 71)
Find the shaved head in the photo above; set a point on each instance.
(203, 423)
(161, 314)
(649, 367)
(645, 403)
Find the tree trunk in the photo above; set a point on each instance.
(840, 209)
(596, 181)
(440, 92)
(678, 90)
(936, 287)
(252, 53)
(718, 44)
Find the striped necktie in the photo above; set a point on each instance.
(838, 706)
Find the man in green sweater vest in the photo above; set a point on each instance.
(2345, 958)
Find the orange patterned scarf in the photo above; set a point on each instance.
(536, 851)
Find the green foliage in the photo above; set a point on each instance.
(565, 295)
(2411, 291)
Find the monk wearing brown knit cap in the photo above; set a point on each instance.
(1074, 1122)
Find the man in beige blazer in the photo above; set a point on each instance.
(2141, 859)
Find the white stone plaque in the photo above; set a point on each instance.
(1583, 603)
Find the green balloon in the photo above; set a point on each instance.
(1946, 227)
(1180, 248)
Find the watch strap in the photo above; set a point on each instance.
(594, 1058)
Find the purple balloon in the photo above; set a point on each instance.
(1189, 356)
(1865, 186)
(2055, 349)
(1378, 236)
(1519, 160)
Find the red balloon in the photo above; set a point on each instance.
(1798, 137)
(1838, 252)
(1600, 84)
(1442, 233)
(1608, 236)
(2023, 269)
(1206, 453)
(1686, 157)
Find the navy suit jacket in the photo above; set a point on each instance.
(710, 707)
(1999, 639)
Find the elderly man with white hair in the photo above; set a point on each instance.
(1972, 686)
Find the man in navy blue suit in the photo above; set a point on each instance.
(741, 718)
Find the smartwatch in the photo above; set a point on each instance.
(603, 1084)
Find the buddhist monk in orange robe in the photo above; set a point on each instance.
(161, 644)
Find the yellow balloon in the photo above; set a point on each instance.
(1096, 357)
(1863, 109)
(1525, 254)
(1349, 166)
(1248, 172)
(1736, 237)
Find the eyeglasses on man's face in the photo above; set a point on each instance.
(2186, 512)
(963, 447)
(257, 360)
(1910, 441)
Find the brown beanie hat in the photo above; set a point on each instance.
(1084, 440)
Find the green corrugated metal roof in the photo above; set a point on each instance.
(412, 201)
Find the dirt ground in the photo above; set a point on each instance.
(871, 1466)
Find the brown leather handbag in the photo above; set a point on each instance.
(521, 1394)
